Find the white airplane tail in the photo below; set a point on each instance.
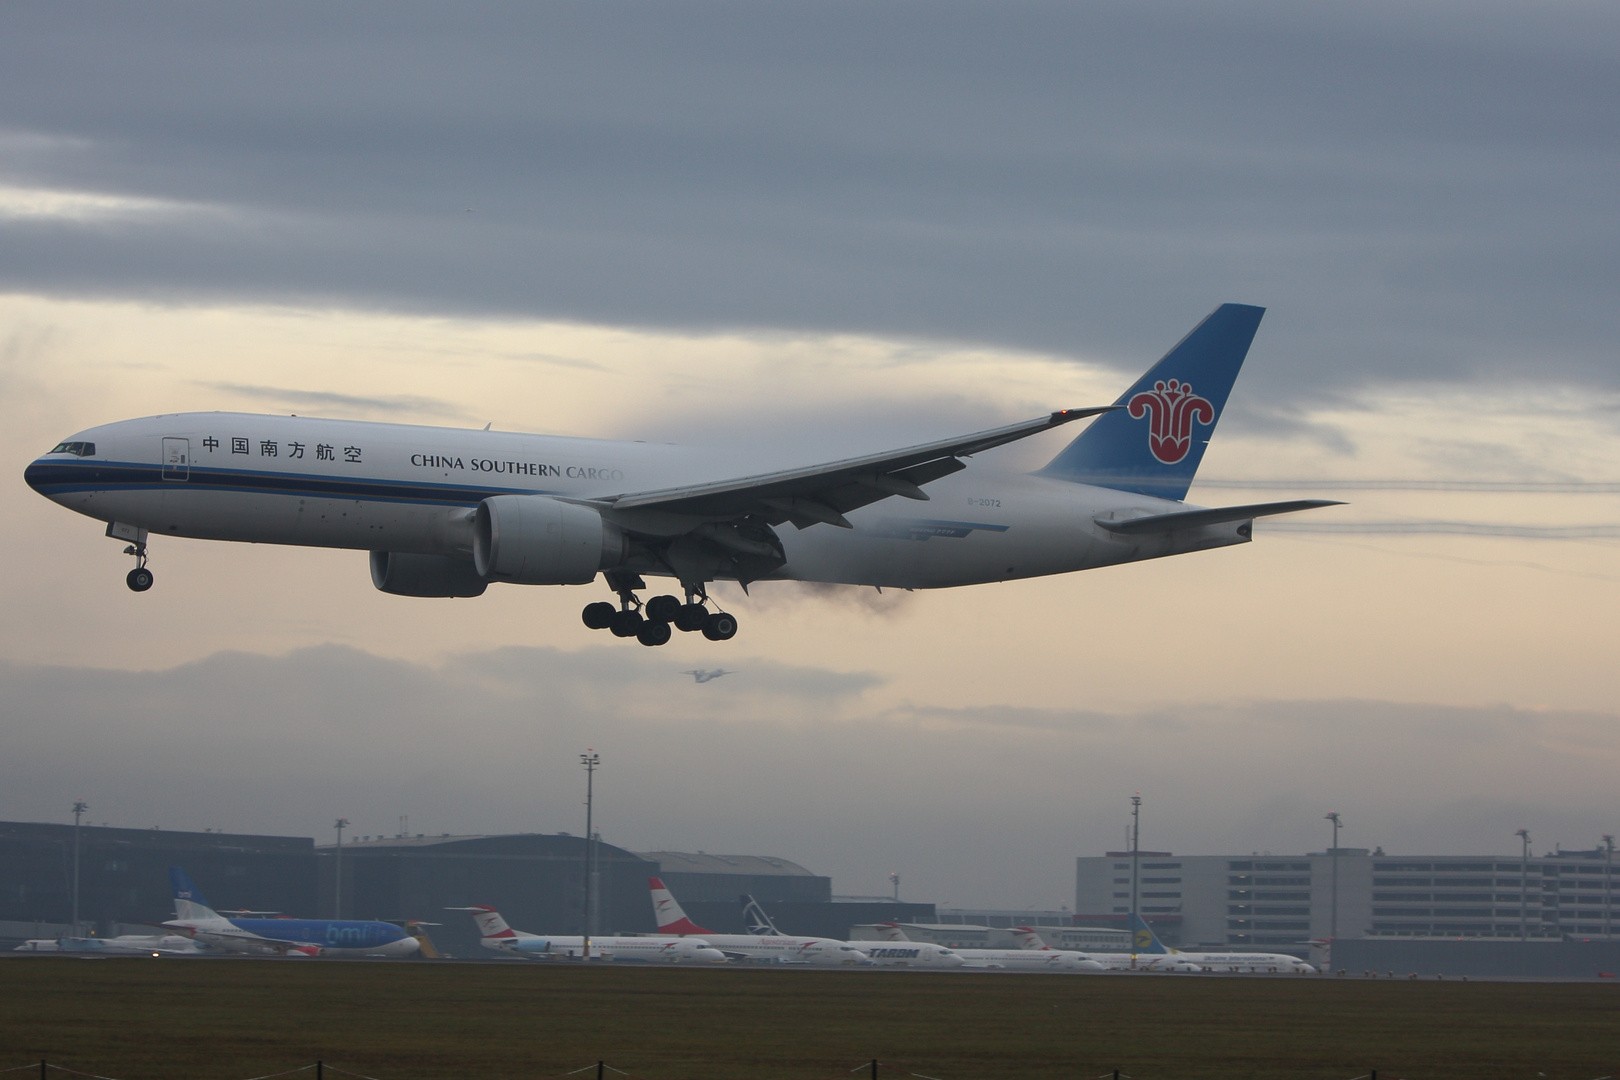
(1028, 938)
(888, 931)
(668, 914)
(490, 924)
(756, 920)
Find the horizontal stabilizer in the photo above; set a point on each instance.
(1197, 519)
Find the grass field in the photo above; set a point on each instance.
(139, 1019)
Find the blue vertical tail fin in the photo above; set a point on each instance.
(1143, 939)
(1153, 444)
(188, 899)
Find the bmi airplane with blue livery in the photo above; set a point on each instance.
(448, 512)
(281, 937)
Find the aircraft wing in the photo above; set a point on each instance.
(824, 493)
(1197, 519)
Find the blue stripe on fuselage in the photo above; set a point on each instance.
(63, 477)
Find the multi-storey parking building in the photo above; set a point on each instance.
(1284, 901)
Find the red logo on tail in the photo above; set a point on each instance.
(1173, 407)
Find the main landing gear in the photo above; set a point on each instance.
(653, 622)
(140, 578)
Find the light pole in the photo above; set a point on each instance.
(894, 879)
(591, 760)
(1524, 885)
(79, 807)
(337, 870)
(1136, 847)
(1333, 852)
(1608, 870)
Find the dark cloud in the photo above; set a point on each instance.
(1417, 190)
(975, 805)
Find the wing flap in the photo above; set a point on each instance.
(1197, 519)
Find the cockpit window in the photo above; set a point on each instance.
(78, 449)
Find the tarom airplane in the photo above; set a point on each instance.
(447, 512)
(1054, 960)
(281, 937)
(663, 949)
(765, 943)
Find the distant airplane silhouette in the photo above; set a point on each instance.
(705, 676)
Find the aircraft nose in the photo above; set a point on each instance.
(35, 475)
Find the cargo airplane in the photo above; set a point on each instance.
(495, 934)
(448, 512)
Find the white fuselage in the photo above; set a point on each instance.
(1028, 960)
(1187, 962)
(785, 949)
(135, 945)
(409, 489)
(1244, 963)
(660, 950)
(911, 954)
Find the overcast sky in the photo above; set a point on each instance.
(799, 228)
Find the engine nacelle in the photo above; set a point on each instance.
(405, 574)
(538, 540)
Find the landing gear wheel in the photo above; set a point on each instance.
(720, 626)
(653, 633)
(690, 617)
(138, 579)
(626, 623)
(662, 609)
(599, 616)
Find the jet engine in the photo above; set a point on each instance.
(405, 574)
(538, 540)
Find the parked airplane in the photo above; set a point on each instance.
(1148, 945)
(122, 945)
(446, 512)
(664, 949)
(881, 953)
(1056, 960)
(1153, 955)
(763, 943)
(135, 945)
(281, 937)
(1031, 941)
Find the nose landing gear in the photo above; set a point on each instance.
(140, 578)
(652, 622)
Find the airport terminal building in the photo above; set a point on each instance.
(1281, 901)
(537, 880)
